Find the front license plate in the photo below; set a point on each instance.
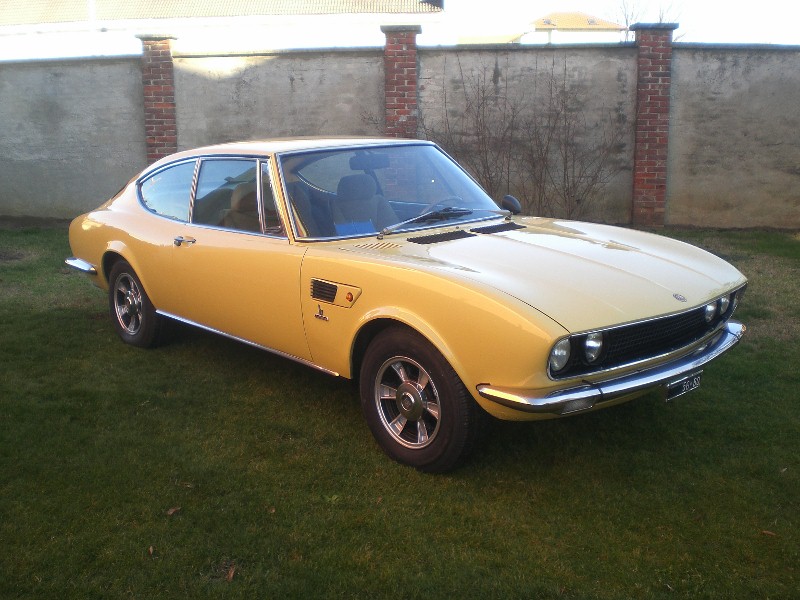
(684, 385)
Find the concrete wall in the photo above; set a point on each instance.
(71, 134)
(230, 98)
(601, 80)
(734, 153)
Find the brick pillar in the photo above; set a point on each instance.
(161, 130)
(400, 72)
(654, 44)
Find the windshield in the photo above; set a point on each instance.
(366, 191)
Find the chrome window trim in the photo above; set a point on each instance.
(260, 160)
(293, 217)
(264, 163)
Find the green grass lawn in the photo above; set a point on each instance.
(206, 468)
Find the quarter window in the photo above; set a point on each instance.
(272, 220)
(167, 193)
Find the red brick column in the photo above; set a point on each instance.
(400, 69)
(159, 97)
(654, 44)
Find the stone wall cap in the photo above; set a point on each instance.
(152, 37)
(399, 28)
(646, 26)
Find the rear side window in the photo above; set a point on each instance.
(168, 192)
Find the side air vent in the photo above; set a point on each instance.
(498, 228)
(458, 234)
(323, 290)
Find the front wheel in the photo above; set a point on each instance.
(132, 313)
(415, 404)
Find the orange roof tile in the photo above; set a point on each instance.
(575, 21)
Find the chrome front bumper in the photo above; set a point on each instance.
(81, 265)
(586, 396)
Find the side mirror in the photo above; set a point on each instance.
(511, 204)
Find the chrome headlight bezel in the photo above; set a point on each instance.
(593, 346)
(560, 355)
(710, 311)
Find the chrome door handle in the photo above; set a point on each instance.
(178, 241)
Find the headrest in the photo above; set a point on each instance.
(244, 197)
(356, 187)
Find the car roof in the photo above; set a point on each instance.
(278, 145)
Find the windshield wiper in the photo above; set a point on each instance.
(442, 214)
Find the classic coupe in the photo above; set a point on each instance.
(384, 261)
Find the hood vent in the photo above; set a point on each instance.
(323, 290)
(378, 246)
(449, 236)
(498, 228)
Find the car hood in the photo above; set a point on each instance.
(582, 275)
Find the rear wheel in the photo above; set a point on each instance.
(414, 403)
(132, 313)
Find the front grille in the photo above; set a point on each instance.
(637, 342)
(652, 338)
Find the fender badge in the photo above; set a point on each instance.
(679, 297)
(321, 314)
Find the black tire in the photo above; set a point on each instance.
(415, 405)
(133, 315)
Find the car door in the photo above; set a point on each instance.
(234, 270)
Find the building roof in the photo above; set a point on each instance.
(574, 21)
(28, 12)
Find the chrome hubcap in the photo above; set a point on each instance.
(128, 304)
(407, 402)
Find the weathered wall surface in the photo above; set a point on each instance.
(734, 148)
(71, 134)
(599, 80)
(230, 98)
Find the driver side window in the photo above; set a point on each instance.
(227, 195)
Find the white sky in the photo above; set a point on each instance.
(711, 21)
(701, 21)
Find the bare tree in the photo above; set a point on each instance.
(541, 148)
(629, 14)
(631, 11)
(482, 134)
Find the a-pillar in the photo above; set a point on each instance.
(159, 96)
(654, 45)
(400, 87)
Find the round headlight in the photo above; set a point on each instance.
(559, 356)
(711, 310)
(593, 346)
(724, 303)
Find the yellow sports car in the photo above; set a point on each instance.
(383, 261)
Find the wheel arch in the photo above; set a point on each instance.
(115, 252)
(373, 327)
(110, 258)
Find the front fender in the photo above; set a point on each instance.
(485, 335)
